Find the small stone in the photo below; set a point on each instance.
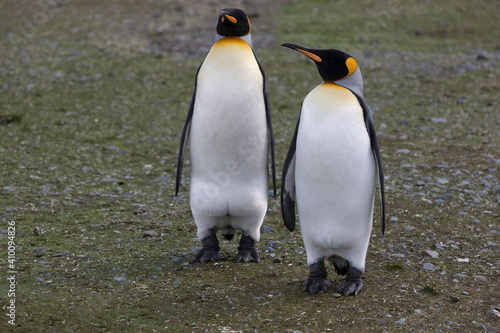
(438, 120)
(482, 55)
(276, 260)
(402, 151)
(393, 219)
(418, 311)
(479, 278)
(120, 278)
(491, 244)
(42, 262)
(336, 295)
(495, 311)
(448, 328)
(432, 254)
(265, 229)
(56, 255)
(398, 255)
(37, 231)
(454, 298)
(150, 233)
(459, 276)
(401, 321)
(430, 267)
(465, 293)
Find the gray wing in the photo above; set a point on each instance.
(367, 112)
(185, 137)
(288, 183)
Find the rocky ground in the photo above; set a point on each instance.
(92, 102)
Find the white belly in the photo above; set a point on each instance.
(335, 176)
(228, 137)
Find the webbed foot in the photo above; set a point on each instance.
(210, 250)
(317, 278)
(246, 250)
(352, 284)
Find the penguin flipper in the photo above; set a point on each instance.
(376, 154)
(269, 127)
(185, 137)
(288, 183)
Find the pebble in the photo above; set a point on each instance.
(459, 276)
(265, 229)
(402, 151)
(120, 278)
(491, 244)
(432, 254)
(479, 278)
(438, 120)
(401, 321)
(150, 233)
(276, 260)
(37, 231)
(393, 219)
(398, 255)
(336, 295)
(430, 267)
(454, 298)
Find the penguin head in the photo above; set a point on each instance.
(233, 22)
(334, 66)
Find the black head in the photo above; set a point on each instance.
(333, 65)
(233, 22)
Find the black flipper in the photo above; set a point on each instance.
(367, 113)
(269, 126)
(185, 136)
(288, 183)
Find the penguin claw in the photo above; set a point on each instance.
(205, 255)
(352, 284)
(247, 255)
(246, 250)
(350, 288)
(315, 284)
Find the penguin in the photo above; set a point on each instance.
(230, 134)
(331, 169)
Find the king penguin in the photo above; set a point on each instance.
(230, 133)
(331, 168)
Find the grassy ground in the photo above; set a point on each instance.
(93, 97)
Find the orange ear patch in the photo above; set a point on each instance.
(351, 65)
(310, 55)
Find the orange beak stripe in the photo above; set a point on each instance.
(231, 18)
(311, 55)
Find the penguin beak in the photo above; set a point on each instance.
(230, 18)
(304, 50)
(224, 16)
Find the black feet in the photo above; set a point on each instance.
(246, 250)
(352, 284)
(210, 250)
(317, 278)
